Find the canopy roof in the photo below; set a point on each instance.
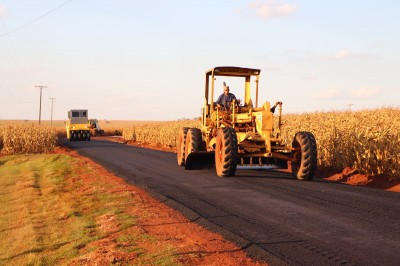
(233, 71)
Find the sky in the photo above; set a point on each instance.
(146, 60)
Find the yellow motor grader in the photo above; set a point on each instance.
(95, 129)
(243, 133)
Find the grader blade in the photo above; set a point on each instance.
(200, 160)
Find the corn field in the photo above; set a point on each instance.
(366, 140)
(164, 133)
(27, 139)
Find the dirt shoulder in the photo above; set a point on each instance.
(353, 177)
(165, 228)
(346, 176)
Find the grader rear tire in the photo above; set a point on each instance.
(304, 168)
(226, 152)
(181, 146)
(193, 141)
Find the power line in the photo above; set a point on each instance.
(13, 52)
(9, 93)
(35, 19)
(80, 103)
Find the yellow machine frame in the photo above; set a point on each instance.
(77, 126)
(243, 134)
(260, 136)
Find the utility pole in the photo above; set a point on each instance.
(40, 103)
(350, 105)
(51, 120)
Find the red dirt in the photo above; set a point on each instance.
(194, 245)
(353, 177)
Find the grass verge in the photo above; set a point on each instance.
(56, 210)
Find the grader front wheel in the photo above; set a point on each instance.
(181, 146)
(306, 154)
(193, 141)
(226, 152)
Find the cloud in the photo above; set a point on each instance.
(347, 54)
(379, 44)
(328, 94)
(237, 11)
(343, 54)
(271, 9)
(2, 10)
(292, 51)
(312, 76)
(29, 69)
(366, 92)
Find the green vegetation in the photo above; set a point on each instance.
(52, 215)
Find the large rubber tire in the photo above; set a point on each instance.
(181, 146)
(84, 136)
(226, 152)
(88, 136)
(75, 136)
(304, 168)
(71, 136)
(193, 141)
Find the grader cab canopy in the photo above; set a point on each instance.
(243, 134)
(245, 73)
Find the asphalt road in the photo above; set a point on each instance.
(271, 216)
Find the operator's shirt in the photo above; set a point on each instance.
(225, 100)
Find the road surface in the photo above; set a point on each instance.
(268, 214)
